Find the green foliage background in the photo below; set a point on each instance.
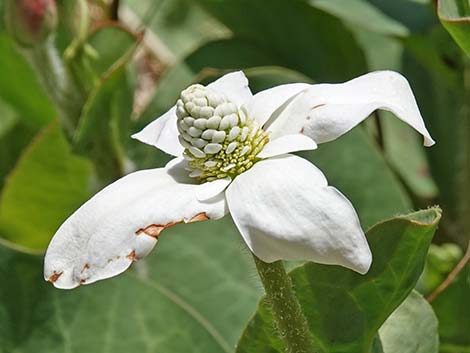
(69, 105)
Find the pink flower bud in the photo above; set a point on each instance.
(30, 21)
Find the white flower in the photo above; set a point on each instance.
(232, 156)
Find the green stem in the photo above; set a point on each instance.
(291, 322)
(465, 131)
(46, 59)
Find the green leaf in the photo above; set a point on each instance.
(455, 17)
(176, 27)
(112, 43)
(193, 294)
(353, 12)
(19, 86)
(355, 166)
(416, 15)
(404, 149)
(46, 185)
(15, 135)
(345, 309)
(412, 328)
(302, 37)
(104, 125)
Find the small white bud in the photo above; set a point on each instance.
(245, 150)
(225, 123)
(207, 135)
(210, 164)
(198, 142)
(206, 112)
(234, 132)
(244, 134)
(212, 148)
(194, 132)
(183, 142)
(200, 124)
(196, 152)
(231, 147)
(186, 137)
(213, 123)
(218, 137)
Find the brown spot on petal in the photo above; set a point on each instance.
(199, 217)
(301, 131)
(55, 276)
(131, 256)
(154, 230)
(86, 267)
(318, 106)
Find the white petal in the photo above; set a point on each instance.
(286, 144)
(326, 111)
(212, 189)
(285, 210)
(162, 133)
(121, 224)
(234, 86)
(263, 104)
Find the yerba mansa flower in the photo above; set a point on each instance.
(233, 155)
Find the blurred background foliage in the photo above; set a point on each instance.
(94, 72)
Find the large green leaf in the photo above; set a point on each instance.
(455, 17)
(416, 15)
(46, 185)
(353, 12)
(302, 37)
(103, 128)
(412, 328)
(20, 88)
(345, 310)
(15, 134)
(12, 142)
(193, 294)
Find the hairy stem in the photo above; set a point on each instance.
(291, 323)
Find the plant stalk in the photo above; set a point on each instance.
(291, 323)
(46, 60)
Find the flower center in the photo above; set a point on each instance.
(220, 140)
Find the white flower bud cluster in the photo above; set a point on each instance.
(219, 139)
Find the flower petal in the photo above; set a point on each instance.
(212, 189)
(163, 133)
(121, 224)
(326, 111)
(285, 210)
(286, 144)
(234, 86)
(263, 104)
